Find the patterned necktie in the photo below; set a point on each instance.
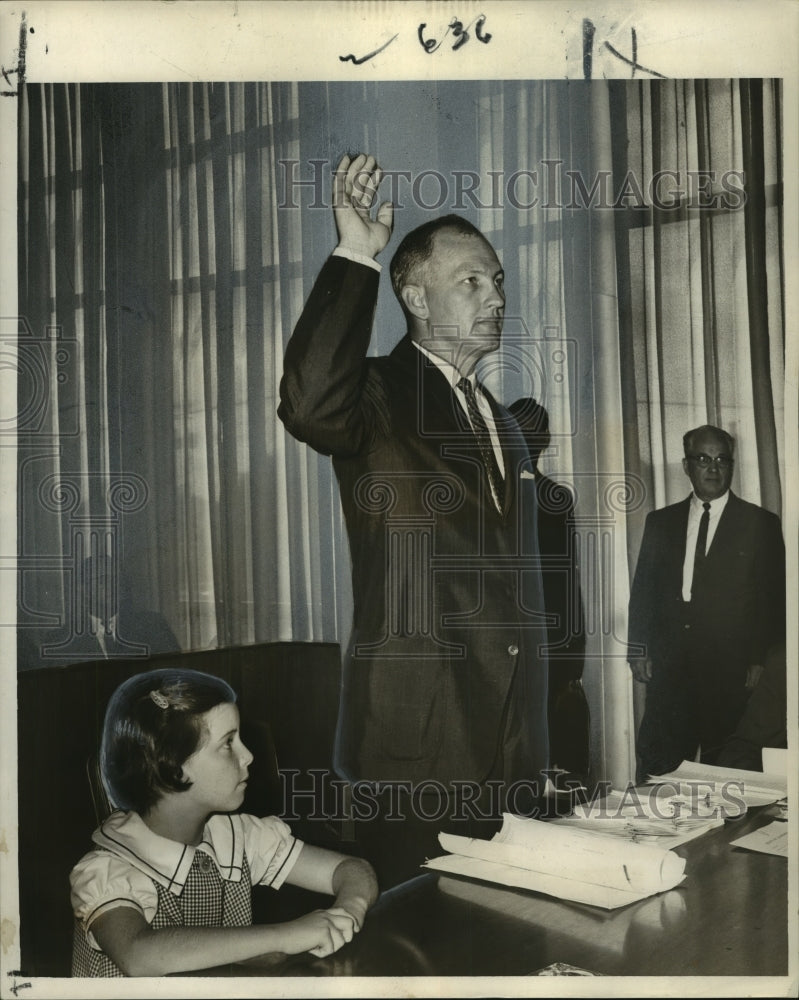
(483, 436)
(701, 543)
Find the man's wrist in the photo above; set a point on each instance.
(356, 255)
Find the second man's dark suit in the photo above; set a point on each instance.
(443, 664)
(701, 649)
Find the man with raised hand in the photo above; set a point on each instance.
(444, 686)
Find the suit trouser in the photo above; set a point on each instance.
(693, 702)
(403, 833)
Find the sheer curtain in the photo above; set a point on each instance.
(70, 493)
(170, 233)
(159, 282)
(561, 345)
(701, 284)
(702, 328)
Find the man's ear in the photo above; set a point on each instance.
(415, 300)
(685, 466)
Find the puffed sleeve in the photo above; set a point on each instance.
(271, 848)
(99, 882)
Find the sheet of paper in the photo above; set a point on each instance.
(771, 839)
(775, 761)
(552, 885)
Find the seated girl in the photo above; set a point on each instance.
(167, 887)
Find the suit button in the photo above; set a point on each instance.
(513, 649)
(686, 626)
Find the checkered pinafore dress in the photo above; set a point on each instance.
(207, 900)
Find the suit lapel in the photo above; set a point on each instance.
(680, 531)
(438, 412)
(728, 531)
(443, 417)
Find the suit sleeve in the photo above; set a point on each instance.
(643, 595)
(562, 591)
(769, 627)
(577, 647)
(324, 397)
(571, 665)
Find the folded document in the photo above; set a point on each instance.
(568, 864)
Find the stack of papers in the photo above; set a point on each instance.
(571, 864)
(655, 815)
(752, 788)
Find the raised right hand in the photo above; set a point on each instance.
(355, 184)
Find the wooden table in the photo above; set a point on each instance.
(728, 918)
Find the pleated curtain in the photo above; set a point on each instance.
(168, 237)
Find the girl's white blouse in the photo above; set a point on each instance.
(130, 859)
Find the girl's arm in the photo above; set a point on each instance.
(351, 880)
(131, 943)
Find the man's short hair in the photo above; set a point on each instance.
(688, 438)
(417, 248)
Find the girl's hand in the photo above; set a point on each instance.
(353, 904)
(321, 932)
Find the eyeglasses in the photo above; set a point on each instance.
(705, 461)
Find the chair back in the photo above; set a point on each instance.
(103, 806)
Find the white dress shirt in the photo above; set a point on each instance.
(695, 512)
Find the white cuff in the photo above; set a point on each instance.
(358, 258)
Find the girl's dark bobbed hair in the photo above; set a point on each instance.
(153, 724)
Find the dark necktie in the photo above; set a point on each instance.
(484, 443)
(701, 544)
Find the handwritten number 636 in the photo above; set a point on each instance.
(460, 33)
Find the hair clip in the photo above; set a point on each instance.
(161, 700)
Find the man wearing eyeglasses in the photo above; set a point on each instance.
(707, 603)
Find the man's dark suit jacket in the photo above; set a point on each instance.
(734, 616)
(765, 719)
(569, 721)
(447, 616)
(556, 541)
(569, 717)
